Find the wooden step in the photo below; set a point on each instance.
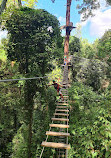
(51, 133)
(62, 104)
(62, 110)
(63, 101)
(61, 114)
(62, 107)
(59, 119)
(56, 145)
(59, 125)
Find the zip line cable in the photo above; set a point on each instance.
(34, 78)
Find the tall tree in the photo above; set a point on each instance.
(104, 46)
(28, 3)
(33, 36)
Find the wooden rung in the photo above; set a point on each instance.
(59, 119)
(62, 110)
(61, 114)
(63, 101)
(57, 133)
(56, 145)
(62, 107)
(59, 125)
(62, 104)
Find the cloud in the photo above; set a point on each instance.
(3, 34)
(62, 19)
(99, 23)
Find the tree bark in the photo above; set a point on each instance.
(66, 44)
(3, 6)
(19, 3)
(30, 133)
(29, 93)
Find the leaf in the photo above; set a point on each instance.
(107, 154)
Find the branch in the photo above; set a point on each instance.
(53, 1)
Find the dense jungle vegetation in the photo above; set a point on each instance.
(33, 49)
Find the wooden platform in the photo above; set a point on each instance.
(51, 133)
(56, 145)
(59, 125)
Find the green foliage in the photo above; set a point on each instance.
(56, 74)
(9, 107)
(3, 56)
(90, 122)
(32, 47)
(20, 142)
(104, 46)
(90, 72)
(108, 2)
(87, 8)
(74, 46)
(30, 39)
(30, 3)
(87, 49)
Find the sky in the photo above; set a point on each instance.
(91, 29)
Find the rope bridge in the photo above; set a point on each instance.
(59, 126)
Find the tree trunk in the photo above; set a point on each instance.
(19, 3)
(29, 93)
(66, 44)
(3, 6)
(30, 133)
